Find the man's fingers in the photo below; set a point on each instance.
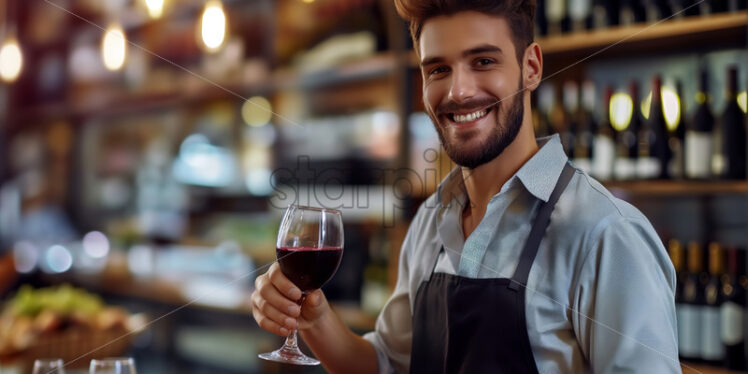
(267, 324)
(272, 296)
(285, 286)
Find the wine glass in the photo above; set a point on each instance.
(309, 249)
(49, 366)
(113, 365)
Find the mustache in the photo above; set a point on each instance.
(467, 106)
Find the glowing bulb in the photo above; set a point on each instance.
(11, 60)
(59, 259)
(671, 108)
(257, 111)
(155, 8)
(213, 25)
(743, 101)
(621, 110)
(646, 104)
(114, 48)
(96, 244)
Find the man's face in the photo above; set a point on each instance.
(472, 85)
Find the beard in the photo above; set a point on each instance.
(500, 137)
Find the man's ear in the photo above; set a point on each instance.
(532, 67)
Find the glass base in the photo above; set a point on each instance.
(289, 355)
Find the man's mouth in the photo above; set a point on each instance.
(468, 117)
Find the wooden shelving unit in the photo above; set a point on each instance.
(711, 31)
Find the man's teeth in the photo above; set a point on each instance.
(461, 118)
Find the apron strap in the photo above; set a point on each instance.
(538, 231)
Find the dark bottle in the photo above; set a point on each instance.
(545, 100)
(580, 14)
(541, 22)
(689, 340)
(657, 123)
(677, 138)
(603, 14)
(630, 12)
(675, 249)
(699, 133)
(731, 159)
(652, 10)
(712, 349)
(556, 16)
(605, 146)
(627, 147)
(566, 122)
(586, 126)
(733, 312)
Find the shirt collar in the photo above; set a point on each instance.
(539, 174)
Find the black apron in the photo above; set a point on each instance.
(468, 325)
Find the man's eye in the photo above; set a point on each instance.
(484, 61)
(438, 70)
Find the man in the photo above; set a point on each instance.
(519, 263)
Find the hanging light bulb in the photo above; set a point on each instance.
(11, 60)
(213, 25)
(114, 48)
(155, 8)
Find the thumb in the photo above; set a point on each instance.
(314, 299)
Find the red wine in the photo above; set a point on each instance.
(309, 268)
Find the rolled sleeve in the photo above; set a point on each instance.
(625, 301)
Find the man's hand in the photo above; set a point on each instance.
(275, 304)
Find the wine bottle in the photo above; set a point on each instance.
(692, 306)
(652, 11)
(712, 349)
(699, 133)
(733, 311)
(630, 13)
(555, 13)
(678, 138)
(705, 8)
(580, 13)
(602, 14)
(541, 21)
(653, 148)
(585, 134)
(605, 147)
(545, 97)
(568, 123)
(627, 147)
(675, 249)
(732, 160)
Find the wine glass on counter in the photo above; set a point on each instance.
(49, 366)
(113, 365)
(309, 249)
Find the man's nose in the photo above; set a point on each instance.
(464, 85)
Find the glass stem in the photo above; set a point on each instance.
(291, 340)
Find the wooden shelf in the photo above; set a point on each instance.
(689, 368)
(678, 188)
(379, 66)
(715, 30)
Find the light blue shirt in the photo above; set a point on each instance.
(600, 294)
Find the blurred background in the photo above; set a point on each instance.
(148, 149)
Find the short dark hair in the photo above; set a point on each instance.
(519, 14)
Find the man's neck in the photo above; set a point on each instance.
(485, 181)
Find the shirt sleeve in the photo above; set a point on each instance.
(624, 315)
(393, 334)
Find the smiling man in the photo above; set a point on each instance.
(519, 263)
